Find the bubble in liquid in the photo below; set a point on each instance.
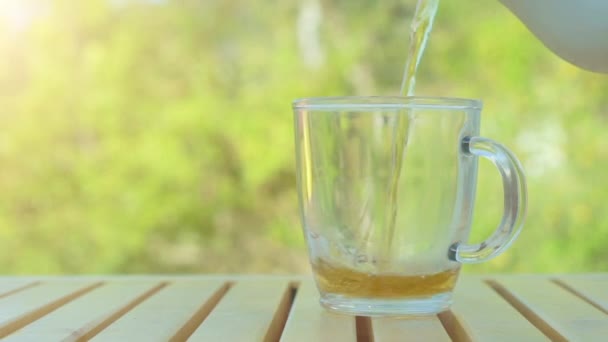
(361, 258)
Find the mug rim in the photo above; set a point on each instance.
(385, 102)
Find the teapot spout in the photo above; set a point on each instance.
(576, 31)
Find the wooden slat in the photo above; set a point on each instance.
(559, 313)
(486, 316)
(518, 308)
(80, 317)
(245, 312)
(29, 305)
(308, 321)
(421, 328)
(593, 289)
(161, 316)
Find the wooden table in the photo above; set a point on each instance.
(273, 308)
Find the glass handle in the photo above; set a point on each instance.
(515, 202)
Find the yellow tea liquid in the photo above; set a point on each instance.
(352, 283)
(420, 30)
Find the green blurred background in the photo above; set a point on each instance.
(156, 135)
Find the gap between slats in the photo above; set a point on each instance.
(81, 336)
(19, 289)
(525, 311)
(275, 330)
(188, 329)
(45, 310)
(365, 331)
(453, 326)
(579, 295)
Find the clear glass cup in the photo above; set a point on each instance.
(386, 189)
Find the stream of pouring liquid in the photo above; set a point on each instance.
(420, 30)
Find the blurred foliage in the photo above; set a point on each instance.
(156, 136)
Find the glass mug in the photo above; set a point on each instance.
(386, 191)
